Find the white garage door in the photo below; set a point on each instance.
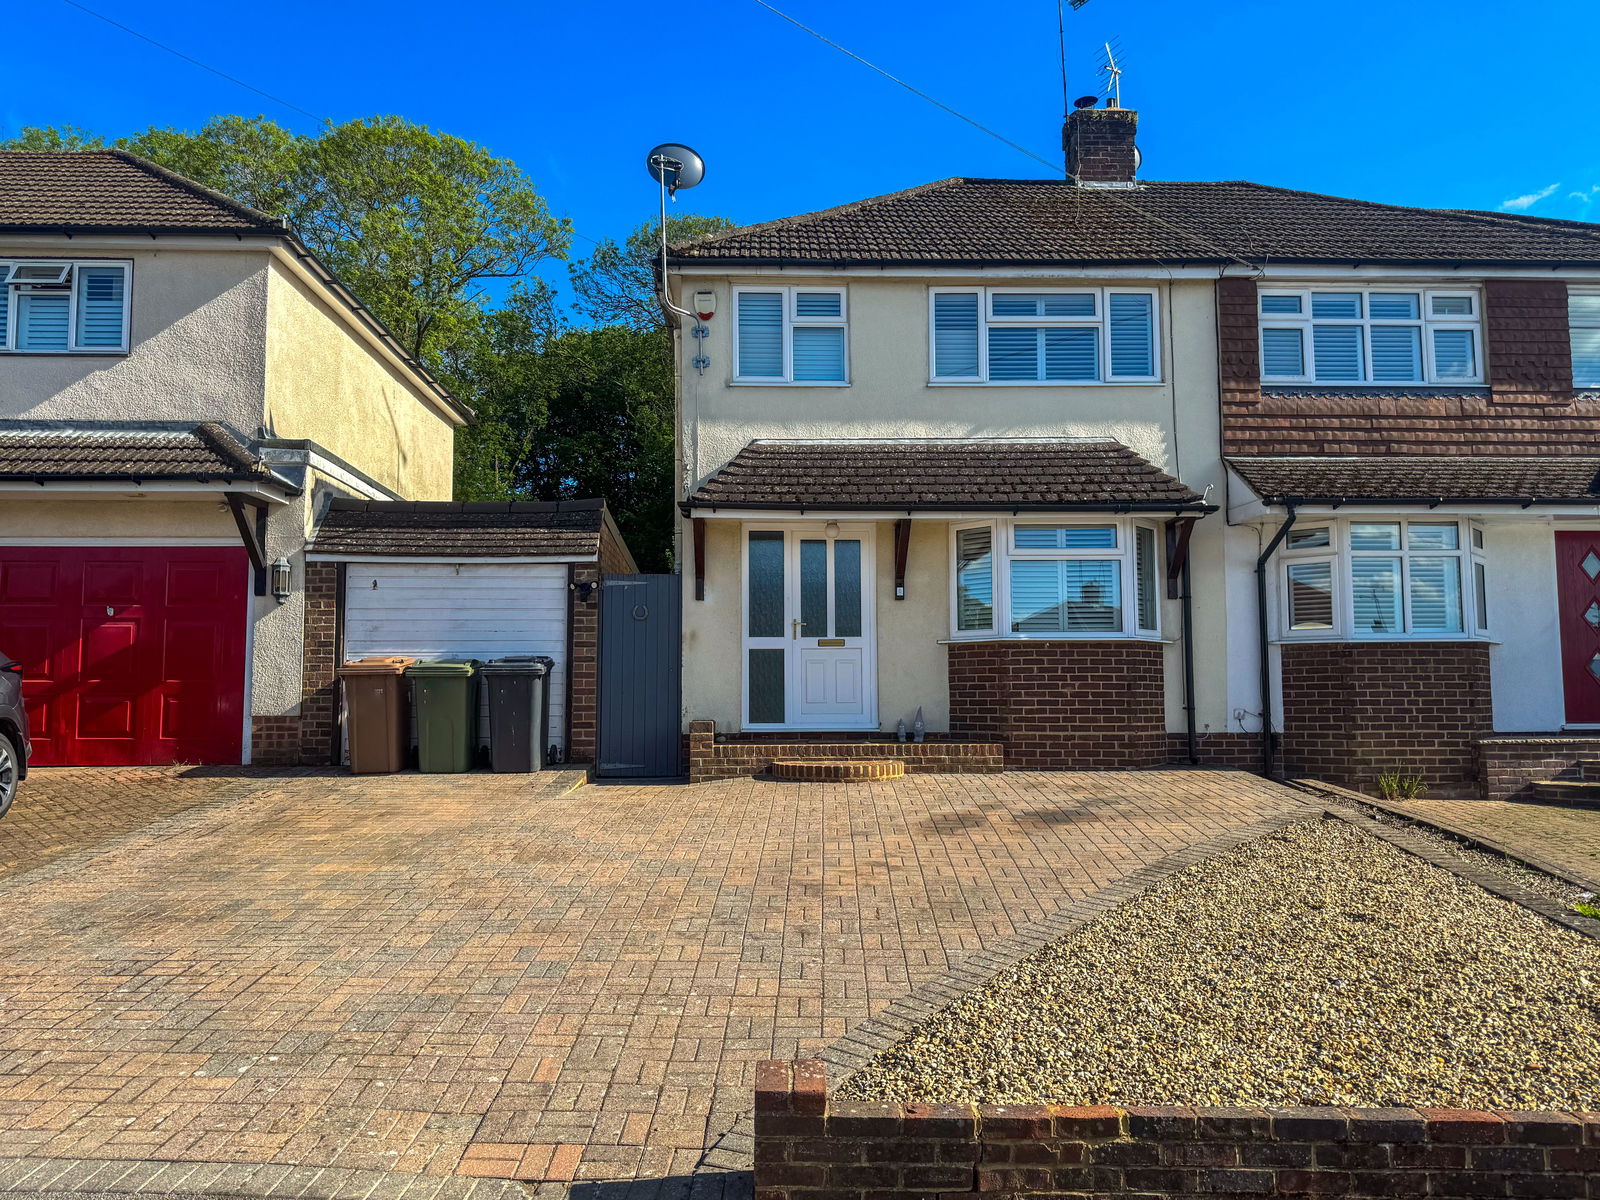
(470, 610)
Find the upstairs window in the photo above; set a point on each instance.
(57, 307)
(1370, 335)
(790, 335)
(1052, 336)
(1583, 312)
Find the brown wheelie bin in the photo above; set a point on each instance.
(377, 698)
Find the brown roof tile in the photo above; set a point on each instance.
(112, 190)
(993, 474)
(1028, 221)
(527, 529)
(201, 452)
(1512, 479)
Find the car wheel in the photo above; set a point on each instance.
(10, 765)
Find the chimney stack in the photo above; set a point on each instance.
(1099, 145)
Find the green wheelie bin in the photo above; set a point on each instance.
(447, 714)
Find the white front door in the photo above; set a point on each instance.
(808, 628)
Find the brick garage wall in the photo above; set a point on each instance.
(275, 741)
(1080, 705)
(1507, 766)
(811, 1147)
(319, 689)
(583, 663)
(744, 757)
(1351, 709)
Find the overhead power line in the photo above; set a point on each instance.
(193, 61)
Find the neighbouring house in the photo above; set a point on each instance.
(184, 389)
(1104, 473)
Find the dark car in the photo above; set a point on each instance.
(13, 732)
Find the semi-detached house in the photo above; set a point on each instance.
(1103, 472)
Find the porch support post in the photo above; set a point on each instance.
(1178, 530)
(253, 533)
(902, 548)
(698, 526)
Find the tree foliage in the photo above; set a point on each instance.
(617, 284)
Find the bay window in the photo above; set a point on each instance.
(1384, 579)
(1050, 578)
(791, 335)
(63, 306)
(1370, 336)
(1039, 335)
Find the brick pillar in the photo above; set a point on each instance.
(583, 664)
(319, 694)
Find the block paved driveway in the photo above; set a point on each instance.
(503, 976)
(1567, 839)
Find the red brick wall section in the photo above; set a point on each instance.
(745, 756)
(1234, 751)
(615, 557)
(583, 663)
(1508, 766)
(1079, 705)
(1099, 144)
(811, 1147)
(275, 741)
(1238, 343)
(1352, 709)
(319, 694)
(1529, 352)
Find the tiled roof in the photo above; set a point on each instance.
(1030, 221)
(1278, 479)
(200, 452)
(998, 474)
(112, 190)
(528, 529)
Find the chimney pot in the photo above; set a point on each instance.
(1099, 144)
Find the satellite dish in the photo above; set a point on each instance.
(675, 166)
(1086, 102)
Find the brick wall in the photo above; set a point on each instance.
(1099, 144)
(1234, 751)
(583, 663)
(742, 757)
(275, 741)
(1529, 342)
(1080, 705)
(1509, 765)
(319, 689)
(1351, 709)
(615, 557)
(811, 1147)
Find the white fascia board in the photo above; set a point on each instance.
(1450, 276)
(1257, 512)
(758, 515)
(365, 489)
(175, 488)
(1151, 271)
(459, 560)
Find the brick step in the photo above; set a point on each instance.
(1582, 793)
(837, 770)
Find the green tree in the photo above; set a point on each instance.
(54, 137)
(617, 284)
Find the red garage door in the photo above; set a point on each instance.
(130, 654)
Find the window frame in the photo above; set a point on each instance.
(791, 321)
(1002, 553)
(1101, 322)
(1426, 323)
(72, 266)
(1574, 323)
(1341, 554)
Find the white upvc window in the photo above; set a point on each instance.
(1049, 577)
(794, 335)
(1583, 313)
(1371, 335)
(63, 306)
(1383, 579)
(1055, 336)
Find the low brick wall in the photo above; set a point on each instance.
(1509, 765)
(1235, 751)
(275, 741)
(741, 758)
(811, 1147)
(1352, 709)
(1075, 705)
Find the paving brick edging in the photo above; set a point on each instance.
(734, 1150)
(32, 1176)
(811, 1147)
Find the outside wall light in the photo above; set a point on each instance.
(280, 579)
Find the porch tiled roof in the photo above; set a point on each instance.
(908, 474)
(200, 452)
(406, 528)
(1508, 479)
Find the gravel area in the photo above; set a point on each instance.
(1317, 965)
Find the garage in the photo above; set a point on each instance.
(131, 654)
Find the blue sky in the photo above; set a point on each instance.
(1460, 104)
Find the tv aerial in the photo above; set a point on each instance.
(674, 165)
(1111, 68)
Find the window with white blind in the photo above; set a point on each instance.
(1370, 336)
(1384, 579)
(1583, 313)
(63, 307)
(1043, 336)
(1051, 578)
(790, 335)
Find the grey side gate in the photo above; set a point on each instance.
(640, 676)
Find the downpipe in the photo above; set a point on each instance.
(1269, 739)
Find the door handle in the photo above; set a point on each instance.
(794, 629)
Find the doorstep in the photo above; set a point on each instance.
(744, 755)
(1519, 766)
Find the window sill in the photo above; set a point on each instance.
(1328, 639)
(788, 383)
(1357, 386)
(63, 353)
(1043, 383)
(1056, 637)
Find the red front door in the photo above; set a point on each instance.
(1578, 598)
(131, 655)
